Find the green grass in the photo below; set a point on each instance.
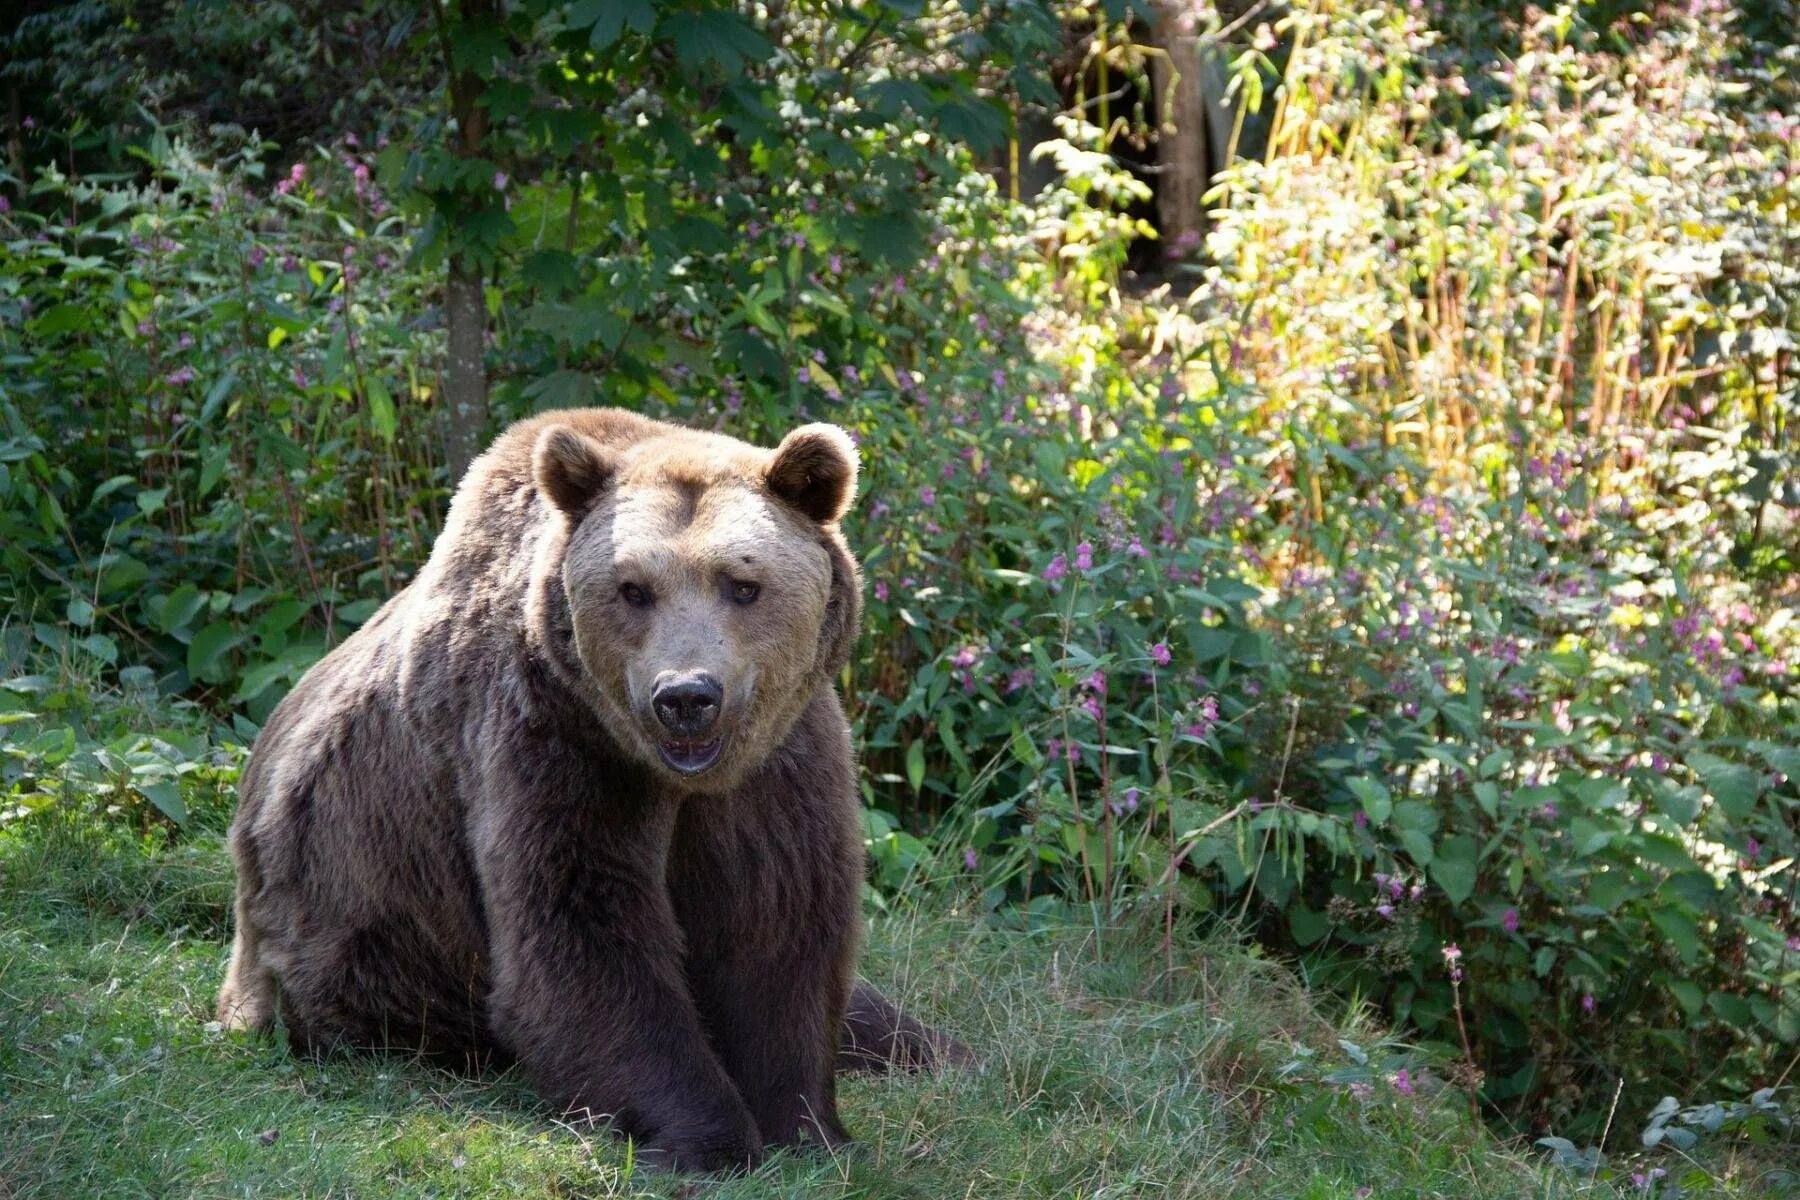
(1103, 1076)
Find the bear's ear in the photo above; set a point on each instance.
(814, 469)
(570, 468)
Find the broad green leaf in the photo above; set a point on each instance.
(166, 798)
(381, 409)
(1453, 867)
(206, 653)
(1377, 801)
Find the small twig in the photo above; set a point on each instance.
(1250, 14)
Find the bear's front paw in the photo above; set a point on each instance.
(731, 1143)
(699, 1157)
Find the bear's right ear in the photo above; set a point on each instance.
(570, 468)
(814, 469)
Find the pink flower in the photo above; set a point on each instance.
(928, 496)
(1588, 1003)
(1084, 557)
(1509, 920)
(179, 376)
(969, 858)
(1159, 654)
(1403, 1082)
(500, 181)
(1385, 911)
(1059, 567)
(1360, 819)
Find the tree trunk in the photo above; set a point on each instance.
(465, 308)
(465, 376)
(1181, 140)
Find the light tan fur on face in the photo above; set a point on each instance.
(686, 538)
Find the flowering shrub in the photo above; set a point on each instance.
(1423, 581)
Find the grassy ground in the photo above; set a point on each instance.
(1098, 1081)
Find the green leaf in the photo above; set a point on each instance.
(101, 647)
(1453, 867)
(258, 679)
(59, 318)
(208, 649)
(1681, 931)
(1689, 994)
(1733, 1008)
(1734, 785)
(176, 609)
(915, 765)
(1306, 925)
(212, 468)
(560, 389)
(151, 502)
(554, 271)
(215, 395)
(166, 797)
(605, 20)
(1588, 837)
(1377, 801)
(381, 409)
(719, 37)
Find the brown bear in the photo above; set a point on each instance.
(582, 796)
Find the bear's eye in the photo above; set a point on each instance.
(634, 595)
(745, 593)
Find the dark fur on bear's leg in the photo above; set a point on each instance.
(877, 1037)
(589, 990)
(771, 990)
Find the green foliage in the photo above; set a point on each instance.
(1422, 580)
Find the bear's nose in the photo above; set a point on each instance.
(686, 702)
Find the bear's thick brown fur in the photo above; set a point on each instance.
(582, 796)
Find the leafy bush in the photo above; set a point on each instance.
(1421, 582)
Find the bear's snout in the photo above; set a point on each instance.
(687, 702)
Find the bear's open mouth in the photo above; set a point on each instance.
(691, 758)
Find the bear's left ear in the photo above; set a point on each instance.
(814, 469)
(570, 468)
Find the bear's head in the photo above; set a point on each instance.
(710, 593)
